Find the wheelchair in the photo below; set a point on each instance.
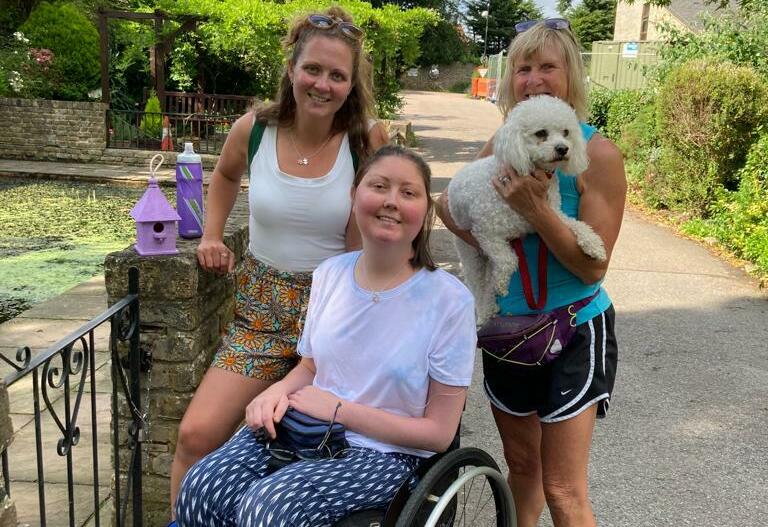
(462, 486)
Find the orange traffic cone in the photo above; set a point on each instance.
(167, 142)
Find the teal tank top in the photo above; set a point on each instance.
(563, 287)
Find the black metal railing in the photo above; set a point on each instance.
(76, 353)
(167, 131)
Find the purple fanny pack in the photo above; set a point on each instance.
(530, 340)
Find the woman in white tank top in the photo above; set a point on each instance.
(300, 154)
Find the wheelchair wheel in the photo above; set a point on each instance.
(464, 488)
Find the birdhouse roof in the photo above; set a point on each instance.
(153, 206)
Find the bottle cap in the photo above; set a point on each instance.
(189, 148)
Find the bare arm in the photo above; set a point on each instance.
(222, 193)
(603, 191)
(433, 432)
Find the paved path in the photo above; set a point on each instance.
(39, 328)
(685, 441)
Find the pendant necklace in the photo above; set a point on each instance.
(376, 295)
(302, 159)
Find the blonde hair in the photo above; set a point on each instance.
(534, 41)
(358, 108)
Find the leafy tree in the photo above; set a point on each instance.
(501, 20)
(442, 44)
(238, 44)
(591, 20)
(744, 4)
(74, 41)
(738, 37)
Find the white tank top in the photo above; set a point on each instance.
(295, 223)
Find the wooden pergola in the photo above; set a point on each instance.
(157, 54)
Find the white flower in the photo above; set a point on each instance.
(15, 80)
(20, 37)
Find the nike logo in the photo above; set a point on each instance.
(566, 392)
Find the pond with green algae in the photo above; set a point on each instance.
(55, 235)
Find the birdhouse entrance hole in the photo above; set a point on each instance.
(158, 227)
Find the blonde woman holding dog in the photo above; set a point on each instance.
(546, 410)
(300, 153)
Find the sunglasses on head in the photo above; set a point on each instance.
(348, 29)
(551, 23)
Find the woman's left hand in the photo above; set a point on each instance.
(527, 195)
(314, 402)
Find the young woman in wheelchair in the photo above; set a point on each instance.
(387, 350)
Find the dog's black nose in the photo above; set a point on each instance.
(561, 150)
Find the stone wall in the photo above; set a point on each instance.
(183, 311)
(43, 130)
(52, 130)
(450, 75)
(119, 156)
(7, 508)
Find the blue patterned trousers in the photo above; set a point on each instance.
(230, 487)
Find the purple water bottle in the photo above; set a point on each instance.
(189, 192)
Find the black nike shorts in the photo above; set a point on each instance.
(583, 375)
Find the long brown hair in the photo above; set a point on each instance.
(357, 110)
(421, 254)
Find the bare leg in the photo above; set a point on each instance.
(565, 459)
(214, 413)
(521, 437)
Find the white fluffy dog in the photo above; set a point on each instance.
(541, 132)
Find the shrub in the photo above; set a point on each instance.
(599, 102)
(152, 122)
(708, 116)
(740, 219)
(24, 71)
(624, 106)
(460, 87)
(640, 136)
(736, 36)
(74, 41)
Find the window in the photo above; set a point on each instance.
(644, 22)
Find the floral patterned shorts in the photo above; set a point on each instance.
(270, 307)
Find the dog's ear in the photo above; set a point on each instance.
(509, 147)
(521, 157)
(578, 160)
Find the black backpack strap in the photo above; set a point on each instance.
(255, 140)
(355, 159)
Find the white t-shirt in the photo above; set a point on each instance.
(296, 223)
(382, 354)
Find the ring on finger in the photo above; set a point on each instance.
(503, 179)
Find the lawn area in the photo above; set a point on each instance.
(54, 235)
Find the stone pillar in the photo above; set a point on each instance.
(7, 508)
(183, 311)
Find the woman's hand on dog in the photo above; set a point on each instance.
(526, 195)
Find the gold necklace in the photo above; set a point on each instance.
(304, 160)
(376, 295)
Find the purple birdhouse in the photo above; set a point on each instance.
(156, 223)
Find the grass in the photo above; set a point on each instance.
(55, 235)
